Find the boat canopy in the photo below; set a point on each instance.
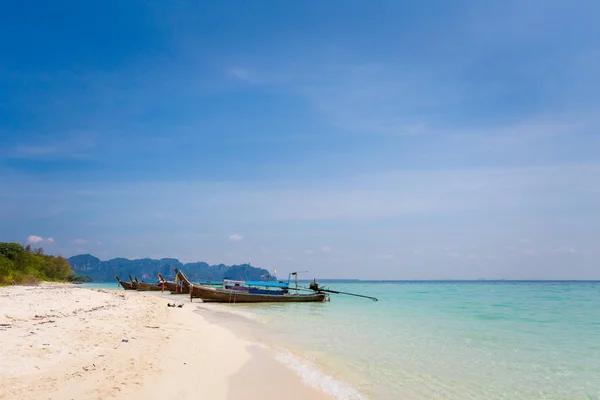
(211, 283)
(267, 284)
(232, 281)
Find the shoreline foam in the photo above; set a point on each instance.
(252, 328)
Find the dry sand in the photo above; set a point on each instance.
(66, 342)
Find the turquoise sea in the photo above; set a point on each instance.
(437, 340)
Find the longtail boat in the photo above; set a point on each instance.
(126, 285)
(249, 292)
(186, 284)
(175, 287)
(217, 295)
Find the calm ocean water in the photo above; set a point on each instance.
(444, 340)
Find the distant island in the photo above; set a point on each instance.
(148, 269)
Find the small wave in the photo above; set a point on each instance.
(315, 378)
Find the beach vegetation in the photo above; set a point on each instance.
(21, 264)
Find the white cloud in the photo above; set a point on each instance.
(529, 252)
(453, 254)
(309, 252)
(326, 249)
(79, 241)
(98, 243)
(33, 239)
(236, 237)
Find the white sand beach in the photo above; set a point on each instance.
(62, 341)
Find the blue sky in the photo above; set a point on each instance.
(383, 140)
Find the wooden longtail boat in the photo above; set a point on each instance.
(247, 294)
(186, 284)
(126, 285)
(147, 286)
(212, 294)
(174, 287)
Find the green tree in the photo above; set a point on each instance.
(26, 265)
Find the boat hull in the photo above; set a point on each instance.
(126, 285)
(174, 288)
(148, 287)
(211, 294)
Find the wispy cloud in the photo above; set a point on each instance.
(406, 193)
(401, 99)
(261, 76)
(363, 197)
(36, 151)
(369, 98)
(386, 256)
(381, 99)
(568, 250)
(236, 237)
(74, 146)
(79, 241)
(241, 73)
